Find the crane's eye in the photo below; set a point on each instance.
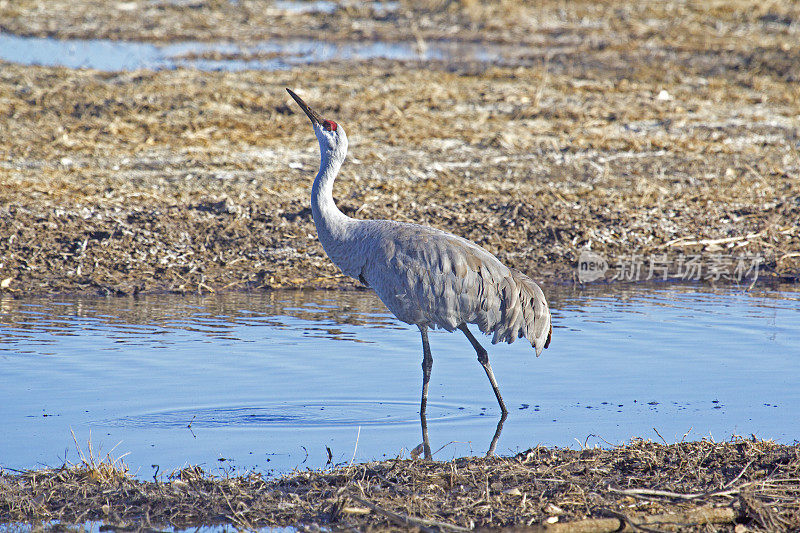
(329, 125)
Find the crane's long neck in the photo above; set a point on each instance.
(333, 226)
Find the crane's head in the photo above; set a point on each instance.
(331, 136)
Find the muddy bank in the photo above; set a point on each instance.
(741, 485)
(735, 25)
(649, 134)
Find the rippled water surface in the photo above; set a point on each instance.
(273, 380)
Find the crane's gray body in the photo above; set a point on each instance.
(425, 276)
(431, 278)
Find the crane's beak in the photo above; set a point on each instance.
(313, 115)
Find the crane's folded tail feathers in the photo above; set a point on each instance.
(523, 312)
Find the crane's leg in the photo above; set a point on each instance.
(483, 359)
(427, 364)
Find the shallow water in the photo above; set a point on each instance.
(328, 7)
(108, 55)
(270, 380)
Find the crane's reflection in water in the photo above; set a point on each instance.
(425, 447)
(272, 380)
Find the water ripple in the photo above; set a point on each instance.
(296, 415)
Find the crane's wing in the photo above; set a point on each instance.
(428, 276)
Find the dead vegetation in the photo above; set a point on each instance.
(742, 484)
(642, 128)
(635, 127)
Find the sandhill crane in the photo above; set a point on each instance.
(425, 276)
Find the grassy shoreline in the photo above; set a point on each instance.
(696, 486)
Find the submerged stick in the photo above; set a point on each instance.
(699, 516)
(423, 524)
(676, 495)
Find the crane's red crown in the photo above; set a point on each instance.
(329, 125)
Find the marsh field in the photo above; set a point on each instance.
(156, 232)
(192, 180)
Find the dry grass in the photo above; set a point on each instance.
(743, 481)
(94, 467)
(196, 181)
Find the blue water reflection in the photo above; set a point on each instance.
(269, 380)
